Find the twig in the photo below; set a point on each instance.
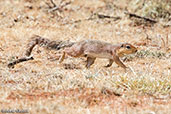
(54, 5)
(1, 49)
(164, 43)
(59, 7)
(23, 59)
(132, 70)
(51, 4)
(140, 17)
(100, 16)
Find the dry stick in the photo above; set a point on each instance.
(50, 4)
(54, 5)
(167, 41)
(100, 16)
(140, 17)
(164, 44)
(59, 7)
(1, 49)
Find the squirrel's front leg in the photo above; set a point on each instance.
(61, 59)
(119, 62)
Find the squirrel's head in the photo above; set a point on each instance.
(125, 49)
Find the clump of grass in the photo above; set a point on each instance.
(152, 8)
(145, 54)
(148, 53)
(144, 85)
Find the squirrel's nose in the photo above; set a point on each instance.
(136, 50)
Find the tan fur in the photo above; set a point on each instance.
(93, 49)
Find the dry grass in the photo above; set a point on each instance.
(44, 86)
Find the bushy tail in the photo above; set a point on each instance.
(46, 43)
(43, 42)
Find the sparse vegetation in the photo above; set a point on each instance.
(152, 8)
(44, 86)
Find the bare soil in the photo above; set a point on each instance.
(43, 85)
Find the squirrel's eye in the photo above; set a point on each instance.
(128, 47)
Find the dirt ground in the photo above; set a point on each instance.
(47, 87)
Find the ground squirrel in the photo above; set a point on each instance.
(93, 49)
